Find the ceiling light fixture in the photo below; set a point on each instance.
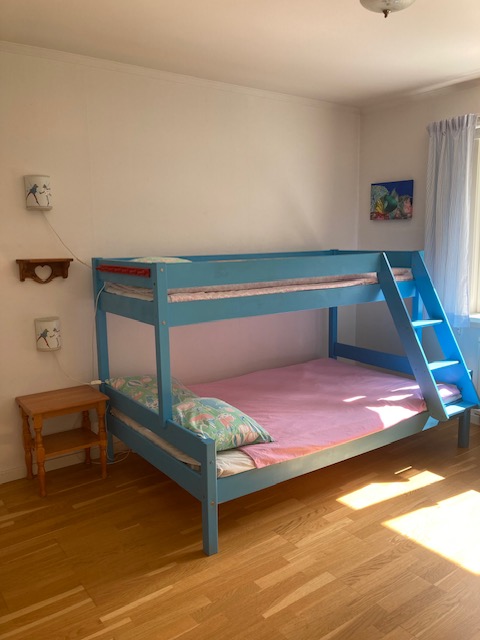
(386, 6)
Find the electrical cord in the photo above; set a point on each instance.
(71, 377)
(96, 381)
(92, 382)
(96, 305)
(63, 243)
(125, 456)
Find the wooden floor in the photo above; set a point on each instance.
(386, 546)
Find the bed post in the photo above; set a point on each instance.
(103, 364)
(464, 429)
(332, 331)
(209, 500)
(162, 344)
(100, 328)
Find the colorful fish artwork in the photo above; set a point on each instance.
(391, 200)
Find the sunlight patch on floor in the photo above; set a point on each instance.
(380, 491)
(449, 528)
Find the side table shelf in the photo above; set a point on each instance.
(58, 444)
(37, 407)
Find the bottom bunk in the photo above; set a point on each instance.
(236, 436)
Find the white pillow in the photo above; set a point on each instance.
(161, 259)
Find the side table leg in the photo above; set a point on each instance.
(37, 425)
(102, 436)
(27, 444)
(88, 427)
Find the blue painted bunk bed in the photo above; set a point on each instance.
(201, 272)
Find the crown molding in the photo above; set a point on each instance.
(164, 76)
(442, 89)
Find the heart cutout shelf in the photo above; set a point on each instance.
(43, 273)
(43, 270)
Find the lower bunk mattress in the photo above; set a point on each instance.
(304, 407)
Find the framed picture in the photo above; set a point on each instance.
(391, 200)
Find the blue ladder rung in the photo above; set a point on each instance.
(419, 324)
(458, 407)
(440, 364)
(452, 370)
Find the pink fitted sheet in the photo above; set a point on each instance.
(318, 404)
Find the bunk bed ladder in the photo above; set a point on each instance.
(452, 368)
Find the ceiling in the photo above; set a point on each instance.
(331, 50)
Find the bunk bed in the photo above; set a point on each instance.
(171, 292)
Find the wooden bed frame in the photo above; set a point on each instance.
(427, 313)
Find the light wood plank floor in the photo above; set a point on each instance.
(384, 546)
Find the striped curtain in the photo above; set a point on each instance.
(447, 224)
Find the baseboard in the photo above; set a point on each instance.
(9, 475)
(475, 417)
(17, 473)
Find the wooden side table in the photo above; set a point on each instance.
(40, 406)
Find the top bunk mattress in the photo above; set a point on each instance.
(216, 292)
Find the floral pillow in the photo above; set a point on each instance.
(144, 389)
(180, 392)
(227, 425)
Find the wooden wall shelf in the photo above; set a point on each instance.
(58, 267)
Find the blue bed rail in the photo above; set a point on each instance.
(205, 271)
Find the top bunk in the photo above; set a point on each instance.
(193, 289)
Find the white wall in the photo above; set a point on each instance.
(394, 146)
(147, 163)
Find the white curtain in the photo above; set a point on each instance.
(449, 181)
